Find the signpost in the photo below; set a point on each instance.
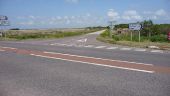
(135, 27)
(3, 18)
(4, 22)
(111, 26)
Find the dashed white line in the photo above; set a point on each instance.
(9, 47)
(157, 51)
(139, 49)
(99, 58)
(52, 44)
(95, 64)
(89, 46)
(112, 48)
(100, 47)
(125, 48)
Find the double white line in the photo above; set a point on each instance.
(92, 63)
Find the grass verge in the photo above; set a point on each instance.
(104, 37)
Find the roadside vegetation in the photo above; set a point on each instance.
(151, 35)
(46, 34)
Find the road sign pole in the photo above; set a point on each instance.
(131, 35)
(111, 26)
(111, 29)
(139, 35)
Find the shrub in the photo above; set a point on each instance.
(105, 34)
(158, 38)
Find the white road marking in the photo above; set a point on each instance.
(112, 48)
(95, 64)
(157, 51)
(125, 48)
(139, 49)
(89, 46)
(100, 47)
(52, 44)
(82, 40)
(99, 58)
(9, 47)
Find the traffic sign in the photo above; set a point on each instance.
(135, 26)
(3, 18)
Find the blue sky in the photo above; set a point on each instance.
(82, 13)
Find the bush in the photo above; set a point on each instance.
(105, 34)
(159, 38)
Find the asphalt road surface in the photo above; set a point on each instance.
(81, 66)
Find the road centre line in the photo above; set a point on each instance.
(9, 47)
(95, 64)
(99, 58)
(139, 49)
(93, 60)
(100, 47)
(159, 51)
(125, 48)
(112, 48)
(89, 46)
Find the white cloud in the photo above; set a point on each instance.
(59, 18)
(131, 15)
(27, 23)
(32, 17)
(148, 12)
(160, 12)
(72, 1)
(112, 14)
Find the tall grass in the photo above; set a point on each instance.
(35, 34)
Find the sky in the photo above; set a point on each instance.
(82, 13)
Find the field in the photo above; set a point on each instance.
(45, 33)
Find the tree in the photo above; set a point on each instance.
(147, 25)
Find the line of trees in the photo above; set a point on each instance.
(149, 28)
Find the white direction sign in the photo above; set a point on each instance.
(3, 18)
(135, 26)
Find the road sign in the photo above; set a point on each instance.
(135, 26)
(111, 27)
(3, 18)
(168, 35)
(4, 23)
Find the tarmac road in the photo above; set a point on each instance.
(81, 66)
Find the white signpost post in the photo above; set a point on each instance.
(135, 27)
(111, 26)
